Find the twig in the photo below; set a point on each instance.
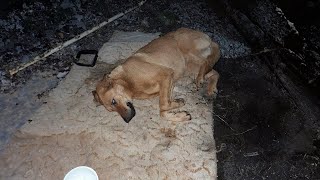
(251, 154)
(271, 50)
(218, 115)
(236, 134)
(67, 43)
(223, 121)
(265, 51)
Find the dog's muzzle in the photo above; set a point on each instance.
(130, 113)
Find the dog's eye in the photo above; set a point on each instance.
(113, 102)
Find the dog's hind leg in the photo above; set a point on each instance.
(213, 77)
(207, 72)
(202, 72)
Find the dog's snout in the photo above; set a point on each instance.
(131, 112)
(129, 104)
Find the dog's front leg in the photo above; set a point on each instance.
(166, 103)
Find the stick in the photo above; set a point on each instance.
(223, 121)
(270, 50)
(76, 38)
(236, 134)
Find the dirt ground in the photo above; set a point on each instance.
(266, 117)
(261, 131)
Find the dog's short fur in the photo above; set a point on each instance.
(153, 70)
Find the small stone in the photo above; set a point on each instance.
(24, 6)
(5, 82)
(61, 35)
(25, 58)
(1, 43)
(18, 49)
(62, 74)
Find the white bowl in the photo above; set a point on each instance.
(81, 173)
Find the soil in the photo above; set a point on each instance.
(261, 132)
(266, 115)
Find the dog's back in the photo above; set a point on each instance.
(197, 48)
(184, 50)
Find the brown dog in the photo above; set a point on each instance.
(153, 69)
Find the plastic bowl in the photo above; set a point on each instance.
(81, 173)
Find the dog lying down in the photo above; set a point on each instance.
(153, 70)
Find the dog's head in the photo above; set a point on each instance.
(114, 97)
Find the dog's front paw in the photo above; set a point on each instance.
(177, 116)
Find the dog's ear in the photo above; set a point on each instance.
(107, 82)
(96, 98)
(105, 76)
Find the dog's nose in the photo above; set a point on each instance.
(129, 104)
(130, 113)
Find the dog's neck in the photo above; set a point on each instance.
(117, 77)
(117, 72)
(124, 84)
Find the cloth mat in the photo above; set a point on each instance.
(70, 131)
